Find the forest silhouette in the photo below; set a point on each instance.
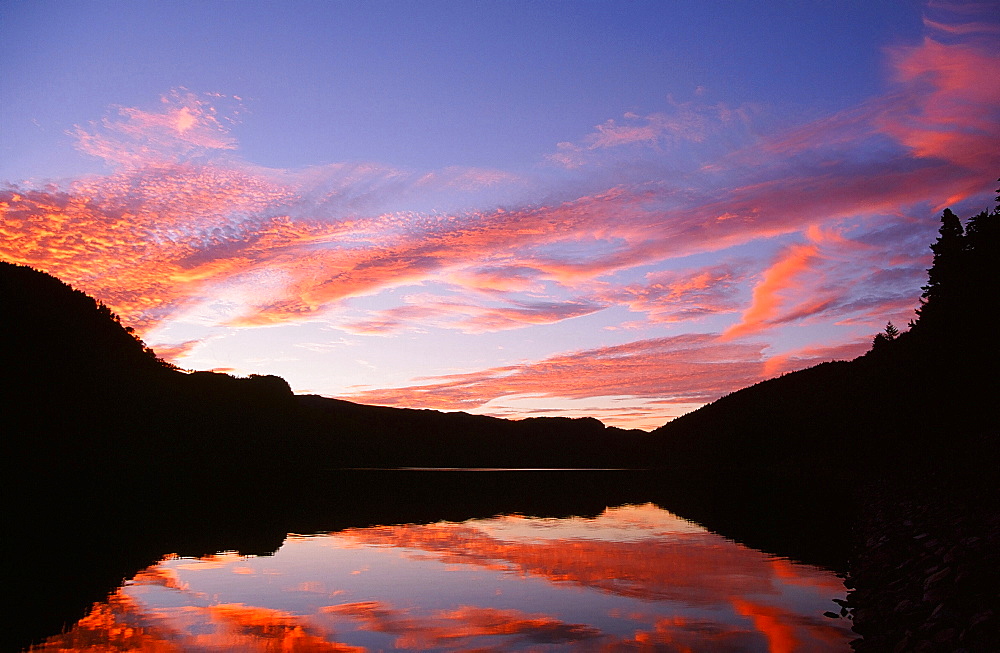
(97, 425)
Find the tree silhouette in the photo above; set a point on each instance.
(944, 277)
(883, 339)
(962, 281)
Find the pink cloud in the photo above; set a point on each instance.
(673, 296)
(181, 220)
(682, 369)
(780, 278)
(955, 116)
(187, 228)
(963, 29)
(429, 310)
(523, 313)
(810, 356)
(188, 126)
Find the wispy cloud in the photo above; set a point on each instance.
(188, 127)
(780, 278)
(678, 295)
(682, 369)
(823, 221)
(684, 123)
(427, 310)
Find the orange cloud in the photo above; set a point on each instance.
(681, 369)
(181, 223)
(694, 568)
(177, 350)
(188, 228)
(694, 590)
(453, 628)
(123, 623)
(767, 295)
(780, 635)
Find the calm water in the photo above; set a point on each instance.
(635, 577)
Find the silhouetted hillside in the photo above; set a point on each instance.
(903, 441)
(925, 397)
(108, 452)
(102, 438)
(85, 396)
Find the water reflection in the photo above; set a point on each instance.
(634, 577)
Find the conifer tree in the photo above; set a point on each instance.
(940, 301)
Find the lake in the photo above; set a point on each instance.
(630, 576)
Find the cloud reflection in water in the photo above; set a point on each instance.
(634, 577)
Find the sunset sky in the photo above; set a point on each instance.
(615, 209)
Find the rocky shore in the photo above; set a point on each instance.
(926, 572)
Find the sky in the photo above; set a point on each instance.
(621, 210)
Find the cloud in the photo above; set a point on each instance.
(804, 357)
(426, 310)
(189, 223)
(187, 127)
(767, 300)
(820, 216)
(125, 622)
(681, 369)
(685, 123)
(951, 110)
(174, 351)
(669, 572)
(694, 568)
(449, 628)
(678, 295)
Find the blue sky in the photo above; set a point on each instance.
(432, 84)
(615, 209)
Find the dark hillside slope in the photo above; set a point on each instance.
(926, 397)
(110, 457)
(86, 398)
(904, 441)
(375, 436)
(51, 332)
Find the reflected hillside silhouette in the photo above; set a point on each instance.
(647, 575)
(71, 553)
